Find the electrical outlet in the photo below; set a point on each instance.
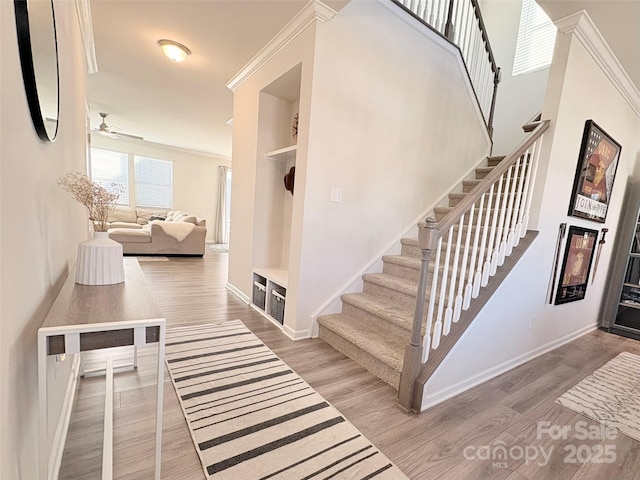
(336, 195)
(531, 321)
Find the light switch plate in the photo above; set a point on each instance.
(336, 195)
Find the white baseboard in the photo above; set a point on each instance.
(60, 437)
(431, 399)
(296, 334)
(238, 293)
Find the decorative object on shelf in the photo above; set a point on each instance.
(572, 286)
(595, 174)
(600, 244)
(294, 127)
(289, 179)
(100, 258)
(556, 257)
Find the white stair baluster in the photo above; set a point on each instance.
(486, 266)
(500, 199)
(507, 226)
(477, 281)
(525, 189)
(525, 220)
(437, 330)
(426, 341)
(465, 256)
(503, 211)
(469, 289)
(517, 207)
(448, 314)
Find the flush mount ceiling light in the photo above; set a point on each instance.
(173, 50)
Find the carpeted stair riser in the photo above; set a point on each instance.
(382, 323)
(380, 308)
(404, 300)
(410, 248)
(381, 370)
(495, 161)
(456, 198)
(412, 272)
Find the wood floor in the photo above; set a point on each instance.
(442, 443)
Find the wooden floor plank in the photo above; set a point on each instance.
(504, 411)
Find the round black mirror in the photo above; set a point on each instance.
(37, 43)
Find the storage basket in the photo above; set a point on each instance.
(277, 306)
(259, 294)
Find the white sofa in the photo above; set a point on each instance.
(157, 232)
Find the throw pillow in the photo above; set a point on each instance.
(190, 219)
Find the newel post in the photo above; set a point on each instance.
(413, 352)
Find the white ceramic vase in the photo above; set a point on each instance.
(99, 261)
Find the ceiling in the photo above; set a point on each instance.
(187, 104)
(183, 104)
(617, 20)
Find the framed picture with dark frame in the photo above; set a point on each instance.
(576, 266)
(595, 174)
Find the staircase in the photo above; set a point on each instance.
(375, 325)
(418, 307)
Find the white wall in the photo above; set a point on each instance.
(518, 323)
(195, 175)
(502, 19)
(394, 126)
(374, 121)
(249, 150)
(39, 232)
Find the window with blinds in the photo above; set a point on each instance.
(154, 182)
(108, 168)
(536, 38)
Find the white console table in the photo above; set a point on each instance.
(86, 318)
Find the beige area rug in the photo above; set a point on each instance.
(252, 417)
(152, 259)
(610, 395)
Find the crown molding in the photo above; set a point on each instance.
(581, 26)
(312, 12)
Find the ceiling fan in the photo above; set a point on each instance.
(110, 132)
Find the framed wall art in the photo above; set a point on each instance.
(572, 284)
(595, 174)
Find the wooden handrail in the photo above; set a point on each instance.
(472, 197)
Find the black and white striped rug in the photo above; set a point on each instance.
(610, 395)
(252, 417)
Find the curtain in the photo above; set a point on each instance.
(221, 232)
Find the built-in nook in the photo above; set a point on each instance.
(276, 151)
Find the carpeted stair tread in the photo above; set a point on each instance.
(495, 160)
(380, 344)
(403, 260)
(413, 242)
(381, 308)
(392, 282)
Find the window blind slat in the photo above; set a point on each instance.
(536, 39)
(109, 167)
(154, 182)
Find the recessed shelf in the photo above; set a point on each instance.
(276, 275)
(286, 153)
